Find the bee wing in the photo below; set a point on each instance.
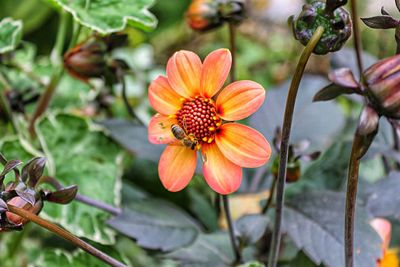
(175, 143)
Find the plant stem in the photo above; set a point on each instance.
(271, 195)
(56, 55)
(357, 36)
(66, 235)
(44, 100)
(232, 41)
(98, 204)
(58, 49)
(77, 29)
(4, 104)
(351, 197)
(287, 124)
(128, 107)
(235, 247)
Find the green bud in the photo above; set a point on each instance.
(337, 25)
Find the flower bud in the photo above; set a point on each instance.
(337, 25)
(87, 60)
(203, 15)
(382, 82)
(19, 202)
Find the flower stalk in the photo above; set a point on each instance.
(228, 217)
(287, 124)
(4, 105)
(56, 54)
(66, 235)
(232, 42)
(357, 36)
(351, 197)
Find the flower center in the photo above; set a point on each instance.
(198, 117)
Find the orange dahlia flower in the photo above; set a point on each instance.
(192, 117)
(384, 229)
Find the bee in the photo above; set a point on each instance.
(188, 140)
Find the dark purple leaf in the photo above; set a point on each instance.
(332, 91)
(28, 195)
(133, 138)
(250, 228)
(33, 170)
(343, 77)
(3, 206)
(10, 165)
(381, 22)
(315, 223)
(63, 196)
(384, 198)
(156, 224)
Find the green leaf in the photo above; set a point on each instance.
(255, 264)
(107, 16)
(10, 34)
(315, 223)
(79, 153)
(302, 260)
(208, 250)
(33, 13)
(61, 258)
(156, 224)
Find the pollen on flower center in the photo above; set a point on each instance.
(198, 117)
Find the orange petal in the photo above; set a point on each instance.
(184, 73)
(216, 69)
(239, 100)
(384, 229)
(243, 145)
(222, 175)
(159, 131)
(176, 167)
(163, 98)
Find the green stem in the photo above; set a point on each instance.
(235, 246)
(57, 52)
(125, 99)
(271, 195)
(357, 36)
(66, 235)
(56, 55)
(351, 197)
(287, 124)
(4, 104)
(232, 41)
(77, 29)
(44, 100)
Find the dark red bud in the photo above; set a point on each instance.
(382, 81)
(203, 15)
(87, 60)
(19, 202)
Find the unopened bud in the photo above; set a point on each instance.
(87, 60)
(204, 15)
(382, 81)
(20, 203)
(337, 26)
